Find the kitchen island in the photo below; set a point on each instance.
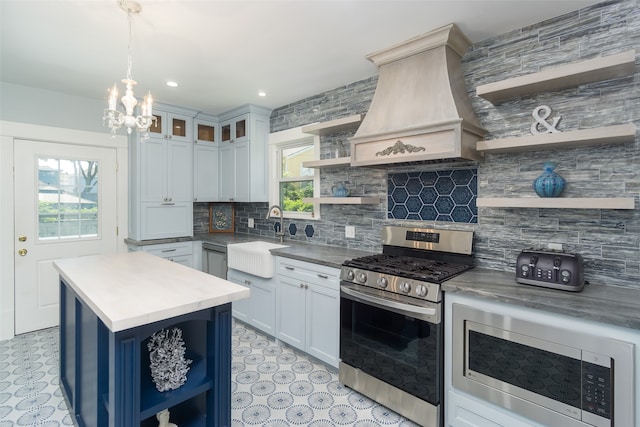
(110, 306)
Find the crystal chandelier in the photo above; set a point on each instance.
(114, 118)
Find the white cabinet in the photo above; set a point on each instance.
(259, 309)
(181, 252)
(166, 171)
(160, 182)
(243, 155)
(206, 167)
(236, 129)
(308, 308)
(171, 125)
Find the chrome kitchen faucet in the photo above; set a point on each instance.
(281, 232)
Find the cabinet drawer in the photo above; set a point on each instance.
(307, 271)
(170, 250)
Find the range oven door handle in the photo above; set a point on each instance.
(428, 314)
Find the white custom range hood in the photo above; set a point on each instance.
(420, 110)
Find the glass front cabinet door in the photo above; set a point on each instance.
(171, 126)
(235, 130)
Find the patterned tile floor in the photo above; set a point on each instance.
(273, 386)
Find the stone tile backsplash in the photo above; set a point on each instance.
(609, 240)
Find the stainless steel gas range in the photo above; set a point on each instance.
(391, 330)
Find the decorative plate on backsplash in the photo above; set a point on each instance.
(221, 218)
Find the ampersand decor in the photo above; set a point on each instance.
(541, 114)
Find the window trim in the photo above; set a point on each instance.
(285, 139)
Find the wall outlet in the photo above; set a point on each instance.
(555, 246)
(250, 223)
(349, 231)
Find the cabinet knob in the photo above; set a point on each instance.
(306, 286)
(247, 282)
(301, 285)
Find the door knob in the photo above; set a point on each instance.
(22, 238)
(22, 252)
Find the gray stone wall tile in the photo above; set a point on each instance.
(607, 239)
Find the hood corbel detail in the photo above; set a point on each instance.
(420, 102)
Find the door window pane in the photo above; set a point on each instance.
(67, 199)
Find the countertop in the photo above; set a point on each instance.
(330, 256)
(127, 290)
(599, 302)
(605, 303)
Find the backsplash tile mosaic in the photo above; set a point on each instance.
(446, 195)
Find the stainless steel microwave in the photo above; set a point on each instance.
(551, 375)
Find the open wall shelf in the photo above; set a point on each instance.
(556, 202)
(619, 134)
(327, 163)
(343, 200)
(562, 77)
(332, 126)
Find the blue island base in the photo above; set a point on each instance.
(105, 376)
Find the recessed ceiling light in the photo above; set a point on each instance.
(262, 93)
(172, 84)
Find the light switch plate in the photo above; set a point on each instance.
(250, 223)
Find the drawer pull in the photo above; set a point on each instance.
(247, 282)
(289, 268)
(323, 276)
(169, 250)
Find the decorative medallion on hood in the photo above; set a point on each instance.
(421, 110)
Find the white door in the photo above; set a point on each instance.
(65, 206)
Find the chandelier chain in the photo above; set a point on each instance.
(129, 60)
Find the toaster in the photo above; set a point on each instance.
(557, 270)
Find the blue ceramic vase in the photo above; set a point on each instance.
(549, 184)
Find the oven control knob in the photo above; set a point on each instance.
(362, 277)
(383, 282)
(405, 287)
(350, 275)
(421, 290)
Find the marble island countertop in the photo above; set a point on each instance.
(603, 303)
(132, 289)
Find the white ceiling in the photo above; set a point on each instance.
(223, 52)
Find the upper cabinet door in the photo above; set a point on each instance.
(175, 127)
(205, 132)
(235, 130)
